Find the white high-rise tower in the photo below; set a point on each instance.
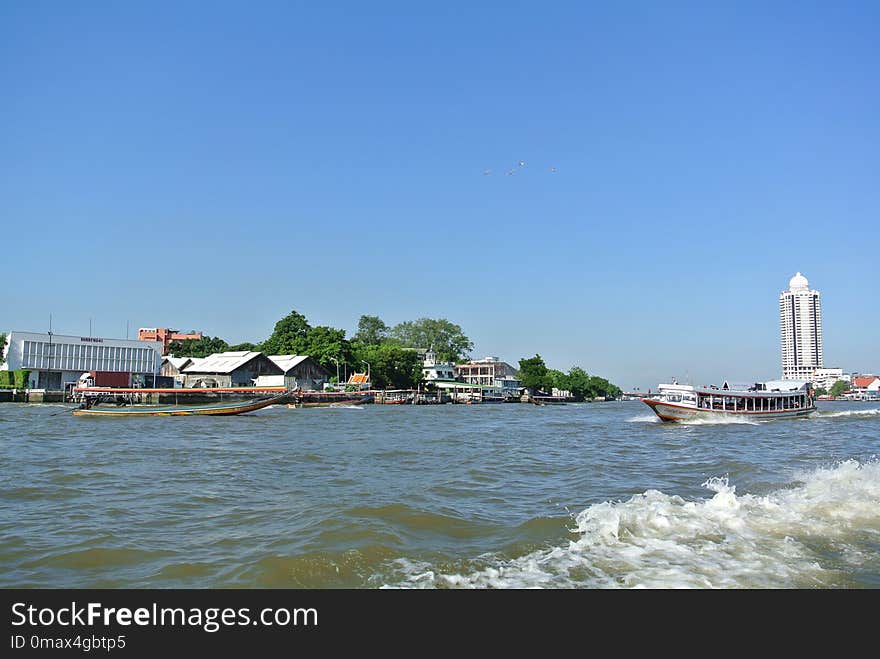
(800, 321)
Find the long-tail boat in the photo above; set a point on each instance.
(225, 409)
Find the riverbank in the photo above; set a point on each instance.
(31, 396)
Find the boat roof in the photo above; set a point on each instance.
(771, 386)
(785, 385)
(779, 387)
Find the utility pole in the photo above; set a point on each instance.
(49, 373)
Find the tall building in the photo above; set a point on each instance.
(800, 323)
(166, 336)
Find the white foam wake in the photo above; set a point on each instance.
(790, 538)
(720, 421)
(644, 418)
(872, 411)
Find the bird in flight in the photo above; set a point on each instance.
(511, 172)
(487, 172)
(552, 169)
(521, 163)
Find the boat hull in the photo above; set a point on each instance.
(671, 412)
(207, 410)
(320, 399)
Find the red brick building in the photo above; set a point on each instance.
(166, 336)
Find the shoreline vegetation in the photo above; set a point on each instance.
(393, 353)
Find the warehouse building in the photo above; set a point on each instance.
(56, 361)
(299, 372)
(238, 368)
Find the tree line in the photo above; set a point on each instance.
(391, 354)
(536, 376)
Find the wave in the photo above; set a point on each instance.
(873, 411)
(644, 418)
(795, 537)
(720, 421)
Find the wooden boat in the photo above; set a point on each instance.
(549, 400)
(776, 399)
(226, 409)
(325, 399)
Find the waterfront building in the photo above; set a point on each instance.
(360, 380)
(510, 386)
(172, 367)
(826, 377)
(56, 361)
(485, 371)
(298, 372)
(433, 370)
(239, 368)
(166, 336)
(865, 387)
(800, 324)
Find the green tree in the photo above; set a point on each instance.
(372, 330)
(579, 383)
(600, 387)
(289, 336)
(323, 344)
(2, 347)
(248, 346)
(391, 366)
(533, 373)
(557, 379)
(202, 347)
(447, 339)
(839, 387)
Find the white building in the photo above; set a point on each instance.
(433, 370)
(485, 371)
(826, 377)
(56, 360)
(800, 324)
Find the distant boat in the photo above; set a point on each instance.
(227, 409)
(776, 399)
(549, 400)
(330, 399)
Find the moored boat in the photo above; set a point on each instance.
(225, 409)
(775, 399)
(330, 398)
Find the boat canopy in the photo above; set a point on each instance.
(786, 385)
(739, 386)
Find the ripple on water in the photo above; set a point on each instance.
(96, 557)
(451, 496)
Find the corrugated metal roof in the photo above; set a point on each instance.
(288, 362)
(179, 362)
(222, 362)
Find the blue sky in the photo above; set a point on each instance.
(215, 165)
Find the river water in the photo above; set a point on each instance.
(494, 496)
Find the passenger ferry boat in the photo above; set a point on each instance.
(775, 399)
